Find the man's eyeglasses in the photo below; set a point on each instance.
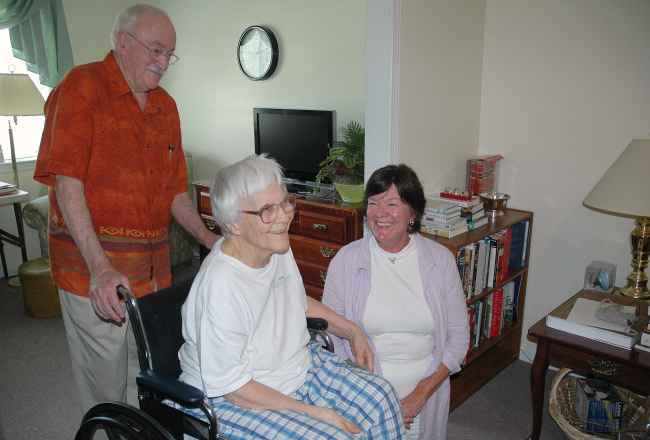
(156, 54)
(269, 213)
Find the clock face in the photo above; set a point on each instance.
(257, 52)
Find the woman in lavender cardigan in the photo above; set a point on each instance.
(405, 292)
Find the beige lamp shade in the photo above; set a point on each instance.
(19, 96)
(624, 190)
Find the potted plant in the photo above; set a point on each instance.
(344, 164)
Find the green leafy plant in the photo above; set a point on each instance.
(345, 161)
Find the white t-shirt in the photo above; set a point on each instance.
(397, 317)
(243, 324)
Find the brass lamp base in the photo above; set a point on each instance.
(637, 281)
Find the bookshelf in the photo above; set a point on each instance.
(493, 354)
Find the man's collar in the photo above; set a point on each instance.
(119, 86)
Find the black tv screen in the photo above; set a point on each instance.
(298, 139)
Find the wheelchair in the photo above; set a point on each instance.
(157, 325)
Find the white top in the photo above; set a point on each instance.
(397, 317)
(243, 324)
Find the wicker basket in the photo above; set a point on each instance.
(561, 401)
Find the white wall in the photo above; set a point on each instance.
(321, 66)
(566, 87)
(440, 88)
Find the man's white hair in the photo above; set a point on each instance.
(127, 17)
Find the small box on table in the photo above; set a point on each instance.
(598, 403)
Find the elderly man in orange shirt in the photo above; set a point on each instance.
(111, 155)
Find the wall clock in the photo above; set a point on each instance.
(257, 53)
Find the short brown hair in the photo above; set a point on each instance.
(408, 186)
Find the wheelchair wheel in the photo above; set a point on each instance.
(120, 421)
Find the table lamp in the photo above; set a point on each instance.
(18, 97)
(624, 191)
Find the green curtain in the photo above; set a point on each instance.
(39, 36)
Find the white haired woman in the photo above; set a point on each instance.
(247, 344)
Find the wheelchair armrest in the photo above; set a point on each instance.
(316, 324)
(178, 391)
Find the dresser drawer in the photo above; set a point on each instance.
(312, 274)
(209, 223)
(305, 248)
(321, 226)
(205, 206)
(314, 292)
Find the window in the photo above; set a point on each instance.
(27, 132)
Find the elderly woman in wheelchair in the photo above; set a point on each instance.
(246, 342)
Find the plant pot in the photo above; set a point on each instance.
(350, 193)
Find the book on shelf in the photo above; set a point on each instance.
(504, 255)
(471, 316)
(462, 203)
(444, 233)
(468, 272)
(434, 217)
(475, 216)
(584, 323)
(470, 211)
(508, 303)
(497, 311)
(475, 224)
(515, 310)
(460, 261)
(487, 323)
(479, 322)
(451, 224)
(492, 261)
(517, 245)
(524, 250)
(481, 264)
(440, 207)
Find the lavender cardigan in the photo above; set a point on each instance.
(346, 292)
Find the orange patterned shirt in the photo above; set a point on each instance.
(132, 166)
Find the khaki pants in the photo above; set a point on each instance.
(104, 355)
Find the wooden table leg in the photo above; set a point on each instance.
(537, 379)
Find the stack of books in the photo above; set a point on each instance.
(443, 219)
(7, 189)
(475, 216)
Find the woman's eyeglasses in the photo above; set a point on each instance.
(269, 213)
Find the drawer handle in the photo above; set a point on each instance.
(211, 224)
(603, 366)
(323, 275)
(326, 252)
(320, 227)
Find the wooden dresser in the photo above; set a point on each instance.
(319, 229)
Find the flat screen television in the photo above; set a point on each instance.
(298, 139)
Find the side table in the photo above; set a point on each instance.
(15, 199)
(626, 368)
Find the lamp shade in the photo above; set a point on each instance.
(624, 190)
(19, 96)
